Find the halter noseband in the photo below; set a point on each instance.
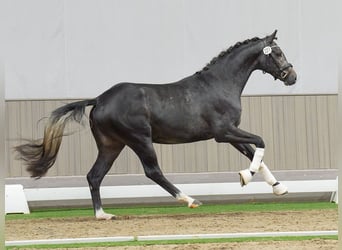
(282, 68)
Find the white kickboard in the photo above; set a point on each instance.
(15, 200)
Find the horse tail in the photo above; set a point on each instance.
(40, 155)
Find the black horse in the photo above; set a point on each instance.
(202, 106)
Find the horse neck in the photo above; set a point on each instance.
(236, 68)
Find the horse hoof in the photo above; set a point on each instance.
(280, 189)
(245, 177)
(195, 204)
(104, 216)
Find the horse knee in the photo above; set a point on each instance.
(259, 142)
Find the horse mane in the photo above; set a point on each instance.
(228, 51)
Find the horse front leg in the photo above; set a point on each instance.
(247, 174)
(249, 152)
(235, 135)
(278, 188)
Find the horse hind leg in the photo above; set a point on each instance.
(148, 158)
(95, 176)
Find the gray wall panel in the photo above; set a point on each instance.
(298, 132)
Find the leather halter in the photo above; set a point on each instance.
(282, 68)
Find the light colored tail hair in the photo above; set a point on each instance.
(40, 155)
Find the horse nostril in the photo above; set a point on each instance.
(295, 78)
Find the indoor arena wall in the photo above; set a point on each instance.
(298, 132)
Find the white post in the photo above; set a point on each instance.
(15, 200)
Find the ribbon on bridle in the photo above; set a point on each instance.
(282, 68)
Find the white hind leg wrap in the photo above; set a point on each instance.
(257, 158)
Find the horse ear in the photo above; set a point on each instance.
(271, 37)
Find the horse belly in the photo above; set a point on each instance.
(180, 133)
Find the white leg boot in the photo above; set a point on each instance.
(278, 188)
(247, 174)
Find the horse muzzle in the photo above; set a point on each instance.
(290, 77)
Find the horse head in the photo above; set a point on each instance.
(273, 61)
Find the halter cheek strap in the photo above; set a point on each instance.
(268, 51)
(283, 73)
